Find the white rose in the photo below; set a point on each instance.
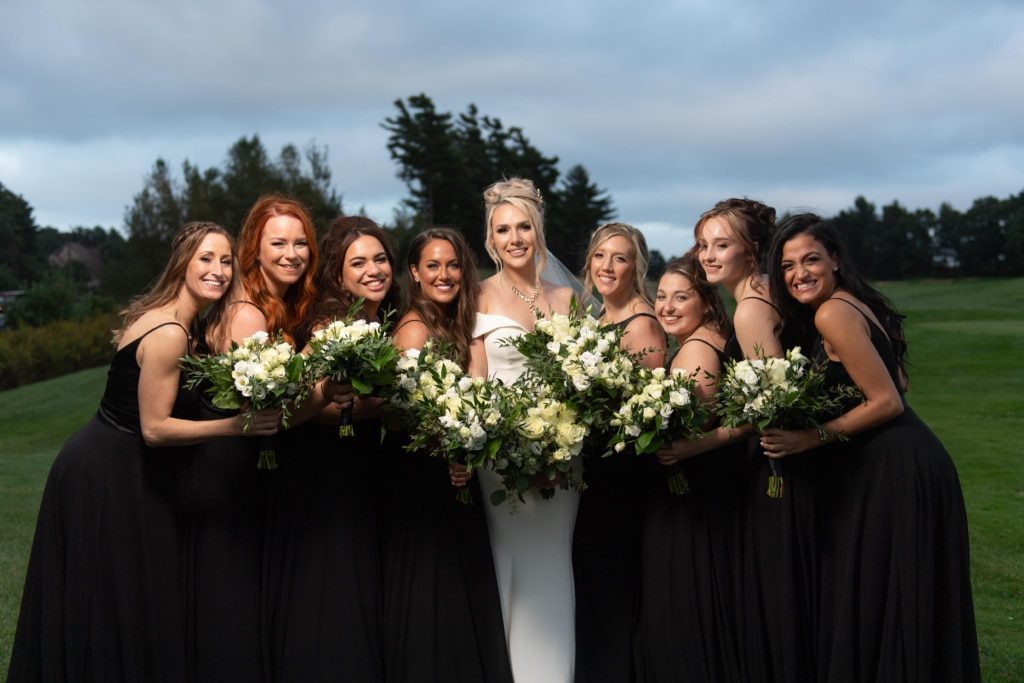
(259, 337)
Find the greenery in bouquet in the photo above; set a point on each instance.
(581, 363)
(542, 450)
(662, 407)
(782, 393)
(450, 415)
(262, 372)
(355, 351)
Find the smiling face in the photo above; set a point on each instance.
(723, 257)
(512, 235)
(209, 271)
(439, 272)
(612, 267)
(366, 272)
(677, 306)
(808, 270)
(283, 253)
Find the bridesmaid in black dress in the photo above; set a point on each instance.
(687, 629)
(324, 599)
(773, 574)
(228, 494)
(606, 548)
(105, 592)
(442, 611)
(895, 593)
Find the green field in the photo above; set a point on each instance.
(967, 381)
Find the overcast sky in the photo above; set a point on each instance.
(670, 106)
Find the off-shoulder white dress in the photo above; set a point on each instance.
(532, 547)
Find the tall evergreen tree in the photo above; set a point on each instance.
(577, 208)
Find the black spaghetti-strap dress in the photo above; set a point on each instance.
(896, 592)
(778, 565)
(227, 507)
(104, 593)
(322, 593)
(605, 561)
(442, 611)
(689, 627)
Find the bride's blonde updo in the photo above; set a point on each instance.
(520, 193)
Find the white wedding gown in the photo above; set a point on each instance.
(532, 548)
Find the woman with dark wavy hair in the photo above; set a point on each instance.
(324, 599)
(894, 601)
(442, 612)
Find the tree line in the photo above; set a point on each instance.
(446, 161)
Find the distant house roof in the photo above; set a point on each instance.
(74, 252)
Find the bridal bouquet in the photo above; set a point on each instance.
(542, 450)
(784, 393)
(452, 416)
(662, 408)
(260, 373)
(581, 362)
(354, 351)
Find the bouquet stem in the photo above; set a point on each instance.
(268, 455)
(678, 484)
(464, 496)
(776, 484)
(345, 425)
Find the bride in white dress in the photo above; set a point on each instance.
(532, 546)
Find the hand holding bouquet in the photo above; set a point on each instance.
(258, 374)
(353, 351)
(451, 415)
(662, 407)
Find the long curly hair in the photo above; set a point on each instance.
(453, 324)
(522, 194)
(334, 301)
(801, 317)
(168, 284)
(714, 315)
(641, 257)
(752, 223)
(289, 312)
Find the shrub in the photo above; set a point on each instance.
(31, 354)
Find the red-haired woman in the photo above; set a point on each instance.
(229, 495)
(104, 596)
(323, 556)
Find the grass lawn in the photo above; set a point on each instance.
(967, 382)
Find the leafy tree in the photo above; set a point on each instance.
(19, 258)
(656, 266)
(447, 161)
(57, 295)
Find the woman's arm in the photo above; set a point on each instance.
(848, 337)
(159, 376)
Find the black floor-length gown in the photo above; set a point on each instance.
(606, 562)
(689, 626)
(896, 600)
(442, 610)
(322, 592)
(104, 593)
(227, 500)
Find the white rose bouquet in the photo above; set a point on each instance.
(260, 373)
(354, 351)
(452, 416)
(784, 393)
(581, 363)
(543, 448)
(662, 407)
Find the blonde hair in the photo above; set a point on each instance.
(641, 257)
(523, 195)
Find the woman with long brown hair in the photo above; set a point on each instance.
(442, 613)
(324, 601)
(104, 597)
